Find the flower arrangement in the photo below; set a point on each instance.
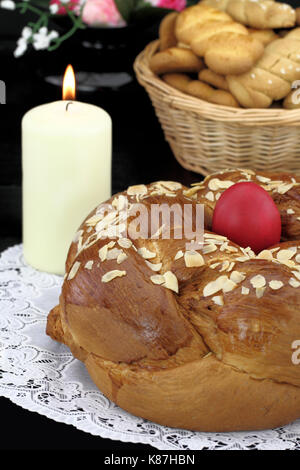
(82, 14)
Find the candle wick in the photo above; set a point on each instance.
(70, 102)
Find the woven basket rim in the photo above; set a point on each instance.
(181, 101)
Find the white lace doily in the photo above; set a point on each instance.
(41, 375)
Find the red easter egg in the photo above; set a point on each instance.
(247, 215)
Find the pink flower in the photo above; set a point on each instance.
(101, 12)
(172, 4)
(61, 9)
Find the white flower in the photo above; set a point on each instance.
(53, 8)
(42, 39)
(22, 42)
(7, 4)
(26, 32)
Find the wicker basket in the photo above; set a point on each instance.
(206, 138)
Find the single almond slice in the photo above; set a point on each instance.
(157, 279)
(89, 264)
(125, 242)
(178, 255)
(258, 281)
(73, 271)
(275, 285)
(214, 286)
(121, 257)
(146, 254)
(260, 292)
(218, 300)
(193, 259)
(137, 190)
(293, 282)
(110, 275)
(228, 286)
(210, 196)
(245, 290)
(209, 248)
(171, 281)
(265, 254)
(154, 266)
(237, 276)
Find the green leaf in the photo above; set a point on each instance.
(126, 8)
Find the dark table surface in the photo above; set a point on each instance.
(140, 155)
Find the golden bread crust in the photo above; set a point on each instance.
(211, 351)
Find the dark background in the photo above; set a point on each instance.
(140, 155)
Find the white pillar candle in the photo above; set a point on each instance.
(66, 159)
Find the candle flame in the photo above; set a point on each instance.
(69, 84)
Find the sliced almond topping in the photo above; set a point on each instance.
(157, 279)
(293, 282)
(193, 259)
(284, 255)
(119, 202)
(296, 274)
(284, 188)
(245, 290)
(89, 264)
(154, 266)
(171, 281)
(210, 196)
(258, 281)
(265, 254)
(73, 271)
(121, 257)
(263, 179)
(178, 255)
(297, 259)
(213, 184)
(225, 266)
(171, 185)
(209, 248)
(217, 196)
(231, 266)
(241, 259)
(231, 249)
(103, 252)
(228, 286)
(77, 236)
(214, 286)
(214, 265)
(113, 254)
(146, 254)
(192, 192)
(218, 300)
(225, 184)
(137, 190)
(260, 292)
(92, 221)
(237, 276)
(275, 285)
(124, 242)
(215, 236)
(290, 211)
(110, 275)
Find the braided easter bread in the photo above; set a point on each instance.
(193, 339)
(260, 14)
